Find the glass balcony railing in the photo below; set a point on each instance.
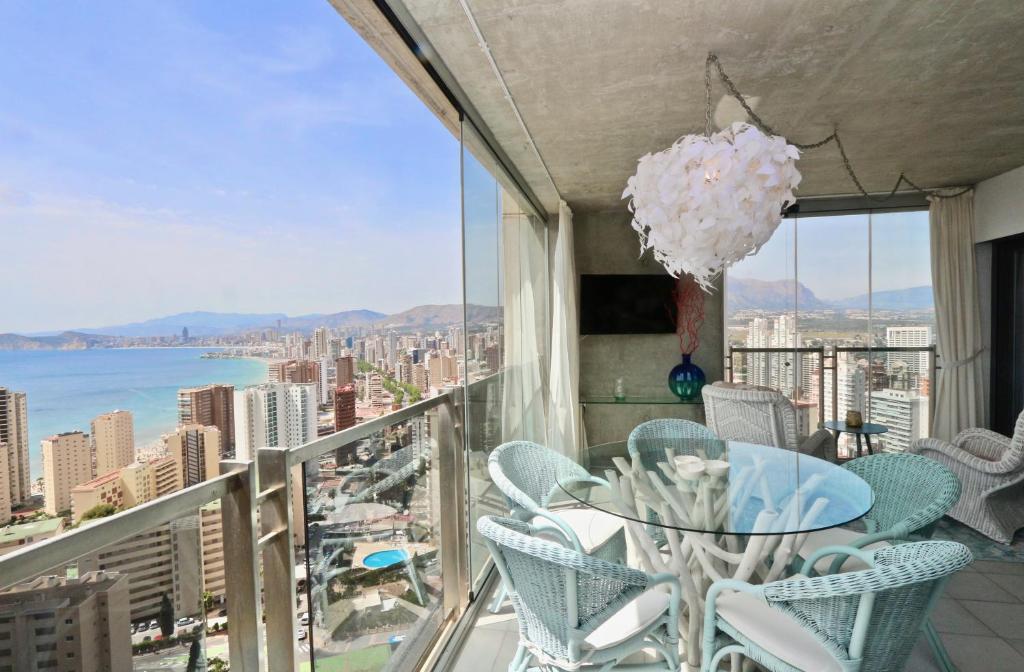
(891, 386)
(350, 549)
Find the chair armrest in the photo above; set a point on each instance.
(709, 608)
(592, 480)
(820, 444)
(984, 443)
(557, 525)
(953, 456)
(843, 552)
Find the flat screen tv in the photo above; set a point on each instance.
(627, 304)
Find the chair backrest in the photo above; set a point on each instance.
(911, 491)
(764, 417)
(1013, 459)
(528, 473)
(650, 439)
(906, 580)
(556, 591)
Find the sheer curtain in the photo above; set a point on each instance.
(564, 427)
(524, 259)
(959, 395)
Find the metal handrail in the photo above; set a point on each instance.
(35, 559)
(830, 353)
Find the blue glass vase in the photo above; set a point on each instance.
(686, 380)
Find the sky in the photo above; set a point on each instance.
(832, 254)
(163, 157)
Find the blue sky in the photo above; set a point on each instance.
(159, 157)
(832, 254)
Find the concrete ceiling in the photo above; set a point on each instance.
(935, 89)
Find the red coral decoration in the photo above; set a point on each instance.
(689, 311)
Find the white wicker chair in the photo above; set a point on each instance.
(758, 415)
(990, 467)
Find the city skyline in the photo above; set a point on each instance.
(207, 148)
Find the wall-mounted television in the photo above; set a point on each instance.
(627, 304)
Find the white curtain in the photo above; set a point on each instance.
(524, 276)
(564, 426)
(959, 393)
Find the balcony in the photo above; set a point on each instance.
(359, 550)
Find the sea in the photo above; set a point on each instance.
(66, 389)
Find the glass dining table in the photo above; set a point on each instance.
(749, 480)
(705, 509)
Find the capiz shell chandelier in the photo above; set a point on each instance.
(709, 200)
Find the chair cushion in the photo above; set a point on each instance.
(634, 618)
(836, 536)
(775, 632)
(592, 527)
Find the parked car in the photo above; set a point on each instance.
(304, 619)
(153, 625)
(187, 620)
(301, 634)
(141, 627)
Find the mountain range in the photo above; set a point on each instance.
(750, 294)
(203, 323)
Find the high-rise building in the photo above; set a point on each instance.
(131, 485)
(62, 624)
(212, 531)
(296, 371)
(210, 405)
(392, 350)
(197, 450)
(420, 378)
(909, 337)
(67, 462)
(282, 415)
(113, 441)
(14, 438)
(165, 560)
(166, 476)
(323, 387)
(321, 340)
(375, 390)
(904, 412)
(274, 415)
(345, 370)
(344, 407)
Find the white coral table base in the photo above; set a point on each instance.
(693, 509)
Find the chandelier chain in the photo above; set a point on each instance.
(834, 136)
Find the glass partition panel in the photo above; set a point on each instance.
(485, 317)
(154, 600)
(373, 532)
(903, 322)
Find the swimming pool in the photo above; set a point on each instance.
(385, 558)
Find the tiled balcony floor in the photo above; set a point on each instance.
(980, 618)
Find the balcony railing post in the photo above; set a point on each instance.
(241, 571)
(278, 558)
(454, 527)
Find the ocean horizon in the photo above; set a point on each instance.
(66, 389)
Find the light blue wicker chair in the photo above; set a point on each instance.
(649, 440)
(911, 494)
(575, 610)
(863, 621)
(528, 475)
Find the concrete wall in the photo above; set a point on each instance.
(999, 206)
(606, 244)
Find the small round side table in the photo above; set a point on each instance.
(866, 430)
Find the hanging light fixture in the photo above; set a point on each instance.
(709, 200)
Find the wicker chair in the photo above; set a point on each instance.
(649, 440)
(528, 475)
(757, 415)
(853, 622)
(991, 468)
(575, 610)
(911, 494)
